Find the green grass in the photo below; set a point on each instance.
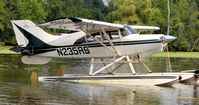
(5, 50)
(178, 54)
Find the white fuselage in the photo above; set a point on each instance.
(100, 40)
(131, 45)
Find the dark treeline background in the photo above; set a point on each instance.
(184, 20)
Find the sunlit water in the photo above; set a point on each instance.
(16, 88)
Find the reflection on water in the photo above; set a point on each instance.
(177, 64)
(16, 88)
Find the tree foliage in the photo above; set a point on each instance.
(75, 8)
(184, 25)
(30, 9)
(184, 20)
(20, 9)
(139, 12)
(1, 16)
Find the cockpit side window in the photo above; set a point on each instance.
(81, 40)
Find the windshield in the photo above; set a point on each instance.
(129, 30)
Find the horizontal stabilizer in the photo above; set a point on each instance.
(15, 49)
(35, 60)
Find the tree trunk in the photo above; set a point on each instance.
(195, 44)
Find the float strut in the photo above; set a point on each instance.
(130, 65)
(91, 67)
(144, 65)
(110, 64)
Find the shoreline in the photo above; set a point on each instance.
(4, 50)
(177, 54)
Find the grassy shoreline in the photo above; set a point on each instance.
(5, 50)
(178, 54)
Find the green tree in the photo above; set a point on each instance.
(184, 20)
(184, 24)
(31, 9)
(1, 14)
(9, 14)
(162, 20)
(45, 10)
(1, 19)
(74, 8)
(123, 11)
(20, 9)
(54, 9)
(134, 12)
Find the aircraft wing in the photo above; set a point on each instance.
(73, 23)
(91, 26)
(66, 24)
(145, 27)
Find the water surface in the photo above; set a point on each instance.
(16, 88)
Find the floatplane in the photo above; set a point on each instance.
(109, 44)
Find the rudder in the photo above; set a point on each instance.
(29, 34)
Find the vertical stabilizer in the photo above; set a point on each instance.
(29, 34)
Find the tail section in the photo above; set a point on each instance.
(29, 34)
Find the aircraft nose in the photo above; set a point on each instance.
(167, 38)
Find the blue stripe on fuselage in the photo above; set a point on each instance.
(119, 43)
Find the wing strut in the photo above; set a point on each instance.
(110, 42)
(91, 67)
(130, 65)
(99, 41)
